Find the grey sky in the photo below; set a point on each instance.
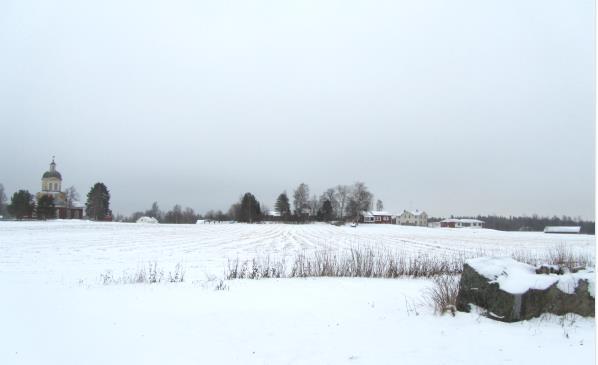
(455, 107)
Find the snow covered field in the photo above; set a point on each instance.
(55, 310)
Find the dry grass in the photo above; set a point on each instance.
(443, 294)
(145, 275)
(372, 262)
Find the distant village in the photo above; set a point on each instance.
(338, 205)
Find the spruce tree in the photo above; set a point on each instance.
(326, 213)
(2, 200)
(282, 205)
(250, 209)
(45, 207)
(21, 204)
(98, 202)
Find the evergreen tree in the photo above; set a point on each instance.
(250, 209)
(45, 207)
(2, 201)
(98, 202)
(330, 194)
(21, 204)
(154, 212)
(282, 205)
(326, 213)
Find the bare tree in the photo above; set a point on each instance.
(301, 198)
(175, 215)
(72, 196)
(234, 211)
(359, 200)
(379, 205)
(313, 206)
(265, 210)
(189, 216)
(341, 195)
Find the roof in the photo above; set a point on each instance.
(380, 212)
(49, 174)
(373, 213)
(52, 172)
(414, 212)
(77, 204)
(463, 220)
(562, 229)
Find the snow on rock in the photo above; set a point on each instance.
(567, 283)
(513, 291)
(147, 220)
(517, 278)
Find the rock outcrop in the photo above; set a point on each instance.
(512, 291)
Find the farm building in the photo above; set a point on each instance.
(562, 229)
(375, 216)
(412, 218)
(461, 223)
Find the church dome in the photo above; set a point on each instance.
(49, 174)
(52, 172)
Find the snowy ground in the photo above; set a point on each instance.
(54, 309)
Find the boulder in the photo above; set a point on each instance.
(512, 291)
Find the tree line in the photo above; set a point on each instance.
(529, 223)
(176, 215)
(339, 203)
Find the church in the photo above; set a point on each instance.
(52, 185)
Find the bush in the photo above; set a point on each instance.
(443, 294)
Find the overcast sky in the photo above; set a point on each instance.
(454, 107)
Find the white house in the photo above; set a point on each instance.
(461, 223)
(412, 218)
(374, 216)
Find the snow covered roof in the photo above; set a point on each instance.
(380, 212)
(562, 229)
(77, 204)
(373, 213)
(273, 213)
(463, 220)
(414, 212)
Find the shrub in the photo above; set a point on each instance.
(144, 275)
